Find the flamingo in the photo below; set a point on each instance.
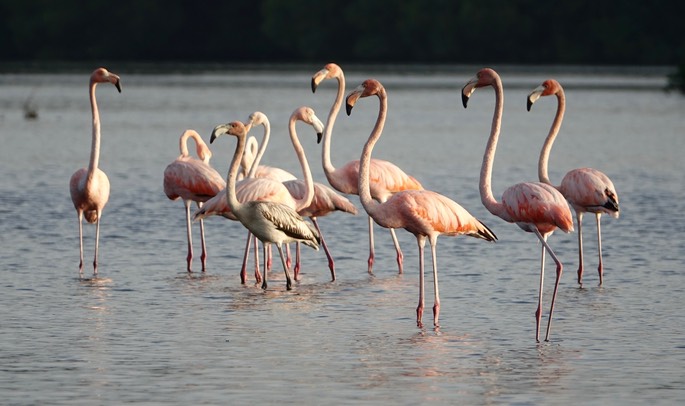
(193, 180)
(586, 189)
(271, 222)
(89, 187)
(533, 206)
(424, 213)
(387, 178)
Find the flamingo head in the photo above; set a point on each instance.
(484, 77)
(102, 75)
(236, 128)
(370, 87)
(548, 87)
(331, 70)
(307, 115)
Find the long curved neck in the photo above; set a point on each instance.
(95, 146)
(551, 136)
(231, 197)
(261, 150)
(308, 179)
(328, 167)
(485, 185)
(365, 160)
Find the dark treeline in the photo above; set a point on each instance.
(598, 32)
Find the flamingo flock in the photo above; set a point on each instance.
(277, 208)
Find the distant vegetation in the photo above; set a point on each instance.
(587, 32)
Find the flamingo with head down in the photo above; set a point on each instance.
(587, 189)
(89, 187)
(193, 180)
(533, 206)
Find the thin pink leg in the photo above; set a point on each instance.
(97, 244)
(421, 241)
(400, 256)
(545, 246)
(257, 273)
(80, 238)
(436, 305)
(203, 256)
(331, 263)
(579, 216)
(189, 235)
(266, 269)
(243, 268)
(600, 268)
(538, 312)
(372, 251)
(296, 270)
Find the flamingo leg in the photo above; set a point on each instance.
(538, 312)
(372, 251)
(400, 256)
(80, 238)
(203, 256)
(97, 244)
(556, 282)
(288, 281)
(436, 305)
(600, 268)
(257, 274)
(243, 268)
(288, 259)
(296, 269)
(266, 269)
(421, 241)
(331, 263)
(268, 263)
(189, 235)
(579, 216)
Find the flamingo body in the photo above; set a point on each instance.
(425, 214)
(534, 206)
(89, 187)
(385, 177)
(586, 189)
(192, 180)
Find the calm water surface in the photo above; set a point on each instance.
(145, 331)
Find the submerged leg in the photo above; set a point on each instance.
(579, 216)
(80, 238)
(189, 235)
(97, 243)
(372, 251)
(436, 305)
(421, 241)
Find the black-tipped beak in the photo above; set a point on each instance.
(212, 138)
(118, 85)
(319, 136)
(464, 99)
(529, 104)
(348, 108)
(314, 85)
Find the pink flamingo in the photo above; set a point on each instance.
(193, 180)
(533, 206)
(387, 178)
(270, 222)
(424, 213)
(586, 189)
(89, 187)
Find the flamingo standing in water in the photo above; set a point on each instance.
(386, 177)
(587, 189)
(270, 222)
(193, 180)
(89, 187)
(424, 213)
(533, 206)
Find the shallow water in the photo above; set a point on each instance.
(145, 331)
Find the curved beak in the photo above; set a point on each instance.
(468, 90)
(534, 96)
(318, 127)
(318, 78)
(218, 131)
(351, 99)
